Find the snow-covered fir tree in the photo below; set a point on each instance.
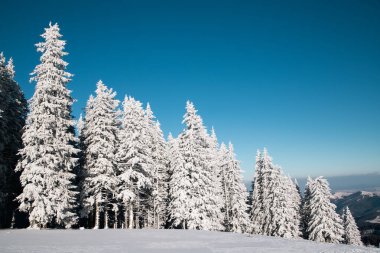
(179, 186)
(324, 223)
(100, 136)
(204, 206)
(13, 108)
(215, 189)
(48, 157)
(158, 152)
(351, 231)
(234, 192)
(292, 215)
(257, 213)
(305, 208)
(288, 211)
(266, 179)
(275, 205)
(134, 163)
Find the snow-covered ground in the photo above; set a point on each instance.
(156, 241)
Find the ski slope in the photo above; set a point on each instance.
(147, 240)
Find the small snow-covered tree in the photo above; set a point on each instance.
(134, 161)
(47, 159)
(324, 224)
(305, 208)
(100, 139)
(179, 186)
(234, 192)
(351, 231)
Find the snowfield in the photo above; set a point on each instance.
(147, 240)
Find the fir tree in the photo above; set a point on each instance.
(305, 208)
(47, 159)
(158, 149)
(324, 223)
(100, 139)
(351, 231)
(204, 212)
(13, 108)
(179, 186)
(275, 209)
(235, 194)
(215, 189)
(256, 214)
(134, 162)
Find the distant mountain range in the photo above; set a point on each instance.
(350, 183)
(365, 207)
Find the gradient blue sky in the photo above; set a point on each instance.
(301, 78)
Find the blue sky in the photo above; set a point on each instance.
(301, 78)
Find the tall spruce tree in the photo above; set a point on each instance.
(134, 163)
(275, 205)
(351, 231)
(47, 159)
(100, 139)
(235, 193)
(179, 187)
(257, 214)
(160, 177)
(324, 224)
(215, 189)
(204, 212)
(13, 109)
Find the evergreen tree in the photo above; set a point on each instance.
(305, 208)
(80, 171)
(13, 109)
(324, 223)
(47, 159)
(134, 162)
(204, 212)
(286, 215)
(294, 205)
(351, 231)
(215, 189)
(235, 193)
(179, 186)
(160, 177)
(100, 139)
(275, 209)
(257, 213)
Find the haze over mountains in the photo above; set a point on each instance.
(347, 183)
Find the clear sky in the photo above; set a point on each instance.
(301, 78)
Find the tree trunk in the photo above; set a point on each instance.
(97, 217)
(126, 214)
(13, 220)
(226, 201)
(116, 219)
(105, 217)
(130, 216)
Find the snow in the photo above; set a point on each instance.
(340, 195)
(375, 220)
(146, 240)
(370, 194)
